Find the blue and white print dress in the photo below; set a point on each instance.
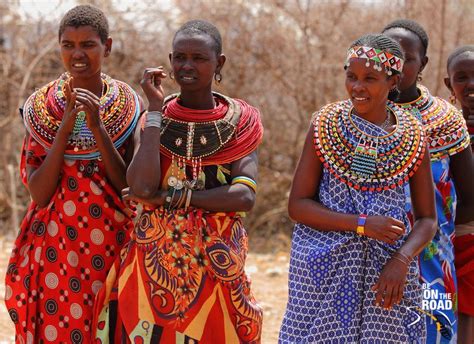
(332, 273)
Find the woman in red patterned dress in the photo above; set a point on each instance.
(73, 163)
(181, 278)
(460, 82)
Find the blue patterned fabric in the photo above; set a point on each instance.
(331, 274)
(438, 273)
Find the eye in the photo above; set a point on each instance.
(66, 45)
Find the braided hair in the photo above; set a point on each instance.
(86, 15)
(412, 26)
(199, 27)
(382, 42)
(459, 51)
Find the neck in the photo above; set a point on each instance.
(201, 100)
(376, 117)
(408, 95)
(93, 84)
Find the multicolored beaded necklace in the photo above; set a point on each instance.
(443, 124)
(365, 159)
(207, 137)
(119, 111)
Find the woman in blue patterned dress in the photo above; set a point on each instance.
(450, 154)
(352, 274)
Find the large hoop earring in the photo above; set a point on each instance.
(218, 77)
(452, 99)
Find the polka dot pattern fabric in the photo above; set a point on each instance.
(63, 252)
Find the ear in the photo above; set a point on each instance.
(170, 56)
(447, 82)
(394, 80)
(424, 62)
(220, 62)
(108, 47)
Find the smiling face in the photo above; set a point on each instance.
(194, 61)
(461, 80)
(83, 52)
(368, 88)
(415, 60)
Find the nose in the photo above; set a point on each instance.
(77, 54)
(357, 86)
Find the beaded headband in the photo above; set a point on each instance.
(380, 57)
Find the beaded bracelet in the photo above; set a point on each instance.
(246, 181)
(153, 119)
(361, 224)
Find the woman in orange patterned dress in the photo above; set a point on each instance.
(79, 130)
(181, 278)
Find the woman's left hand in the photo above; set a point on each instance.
(158, 200)
(90, 103)
(389, 288)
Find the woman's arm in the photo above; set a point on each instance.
(304, 209)
(230, 198)
(462, 171)
(43, 180)
(144, 172)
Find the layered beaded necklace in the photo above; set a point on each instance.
(443, 124)
(119, 112)
(363, 155)
(198, 138)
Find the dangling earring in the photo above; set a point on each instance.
(419, 77)
(452, 99)
(218, 77)
(171, 75)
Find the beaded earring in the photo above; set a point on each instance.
(419, 78)
(218, 77)
(452, 99)
(171, 75)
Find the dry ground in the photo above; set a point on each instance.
(269, 273)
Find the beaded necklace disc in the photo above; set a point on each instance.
(363, 155)
(444, 125)
(119, 112)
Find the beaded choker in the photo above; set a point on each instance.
(119, 111)
(199, 138)
(443, 124)
(196, 140)
(363, 155)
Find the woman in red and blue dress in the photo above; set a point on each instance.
(78, 136)
(450, 155)
(460, 82)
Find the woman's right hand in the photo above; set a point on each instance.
(384, 228)
(151, 85)
(70, 112)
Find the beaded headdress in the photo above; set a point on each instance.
(380, 57)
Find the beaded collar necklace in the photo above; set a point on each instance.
(361, 154)
(119, 111)
(443, 124)
(189, 142)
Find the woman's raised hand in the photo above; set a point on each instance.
(71, 111)
(151, 85)
(384, 228)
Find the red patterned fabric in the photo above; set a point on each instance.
(63, 252)
(464, 259)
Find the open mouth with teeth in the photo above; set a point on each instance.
(360, 99)
(79, 65)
